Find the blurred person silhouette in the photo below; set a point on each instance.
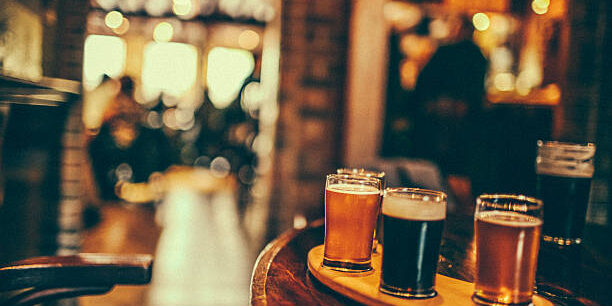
(449, 94)
(96, 101)
(124, 149)
(229, 132)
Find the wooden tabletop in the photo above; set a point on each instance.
(583, 274)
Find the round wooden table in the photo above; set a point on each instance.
(583, 274)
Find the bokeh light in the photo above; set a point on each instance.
(501, 59)
(168, 68)
(202, 161)
(220, 166)
(124, 172)
(102, 54)
(248, 39)
(299, 222)
(540, 7)
(169, 119)
(154, 120)
(107, 4)
(113, 19)
(157, 7)
(252, 97)
(123, 28)
(182, 7)
(227, 69)
(504, 81)
(163, 32)
(481, 21)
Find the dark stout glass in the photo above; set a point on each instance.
(564, 179)
(413, 220)
(569, 198)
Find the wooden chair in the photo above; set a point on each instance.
(42, 279)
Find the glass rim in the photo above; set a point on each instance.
(361, 171)
(530, 203)
(355, 177)
(412, 192)
(564, 144)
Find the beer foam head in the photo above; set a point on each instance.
(353, 189)
(404, 207)
(508, 218)
(565, 159)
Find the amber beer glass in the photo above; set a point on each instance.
(507, 232)
(413, 220)
(564, 173)
(382, 177)
(364, 172)
(352, 205)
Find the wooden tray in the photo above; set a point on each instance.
(363, 287)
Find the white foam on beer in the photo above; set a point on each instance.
(353, 189)
(509, 218)
(563, 168)
(413, 209)
(569, 160)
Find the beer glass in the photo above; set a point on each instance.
(352, 205)
(413, 220)
(564, 173)
(507, 230)
(376, 174)
(364, 172)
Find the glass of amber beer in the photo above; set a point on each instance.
(413, 220)
(564, 172)
(364, 172)
(352, 205)
(376, 174)
(507, 232)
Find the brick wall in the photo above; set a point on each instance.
(71, 21)
(313, 70)
(68, 59)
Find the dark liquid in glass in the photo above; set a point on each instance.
(410, 255)
(565, 204)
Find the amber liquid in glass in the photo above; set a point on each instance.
(507, 245)
(350, 218)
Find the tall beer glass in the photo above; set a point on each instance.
(564, 174)
(413, 220)
(376, 174)
(507, 232)
(352, 205)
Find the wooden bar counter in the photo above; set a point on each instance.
(576, 276)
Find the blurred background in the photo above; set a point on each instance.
(200, 130)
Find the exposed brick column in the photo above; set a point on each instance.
(71, 24)
(69, 40)
(313, 69)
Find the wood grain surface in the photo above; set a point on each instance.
(363, 287)
(578, 276)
